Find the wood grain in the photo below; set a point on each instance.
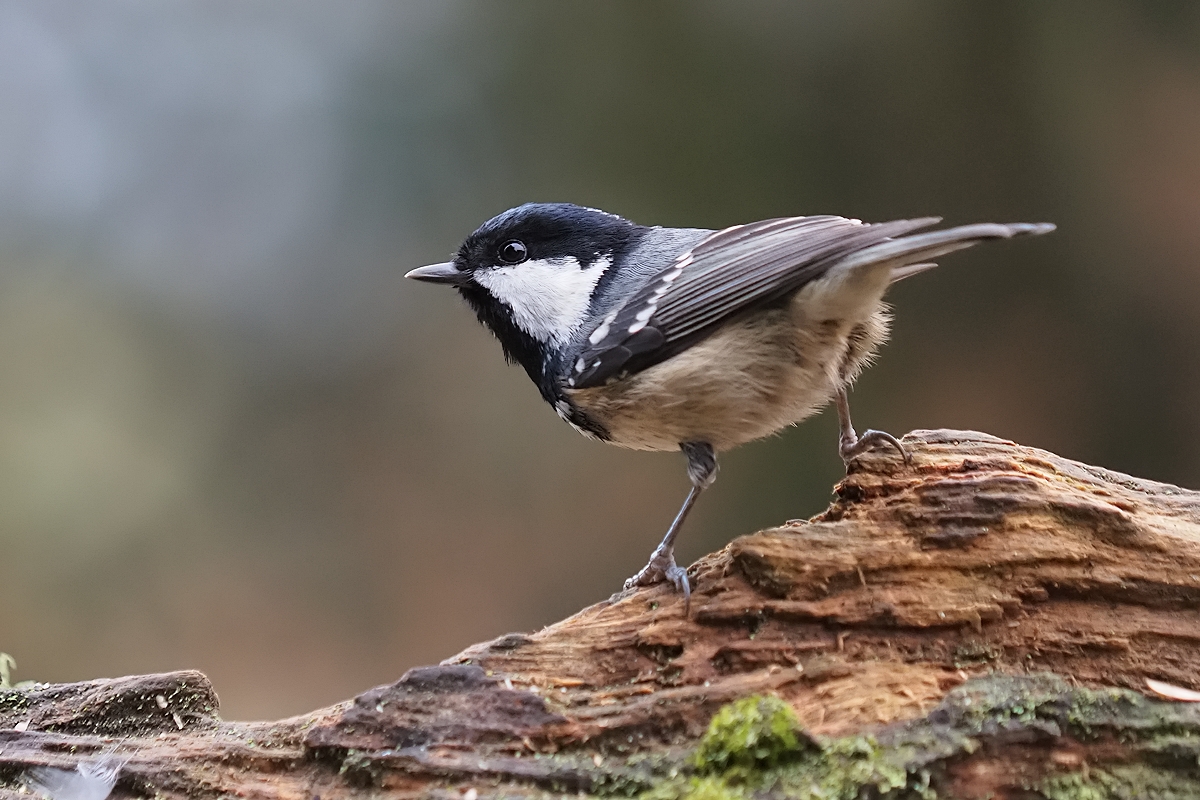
(983, 560)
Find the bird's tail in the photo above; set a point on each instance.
(908, 270)
(912, 254)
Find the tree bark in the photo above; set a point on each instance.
(981, 623)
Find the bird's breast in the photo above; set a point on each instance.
(749, 379)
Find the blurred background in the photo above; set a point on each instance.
(233, 438)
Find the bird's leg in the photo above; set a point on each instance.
(851, 445)
(702, 470)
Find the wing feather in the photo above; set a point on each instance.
(749, 266)
(727, 272)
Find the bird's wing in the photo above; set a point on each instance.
(728, 272)
(749, 266)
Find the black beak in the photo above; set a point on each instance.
(438, 273)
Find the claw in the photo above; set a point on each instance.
(853, 448)
(851, 445)
(662, 567)
(678, 576)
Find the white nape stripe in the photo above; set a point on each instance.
(549, 298)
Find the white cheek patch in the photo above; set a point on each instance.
(549, 298)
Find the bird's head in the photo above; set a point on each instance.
(531, 273)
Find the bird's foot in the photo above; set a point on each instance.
(662, 567)
(851, 446)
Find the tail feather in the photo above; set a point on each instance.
(908, 270)
(912, 254)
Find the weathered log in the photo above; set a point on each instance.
(979, 624)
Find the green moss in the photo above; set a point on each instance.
(706, 787)
(749, 736)
(756, 748)
(756, 745)
(1075, 786)
(842, 769)
(1121, 782)
(13, 700)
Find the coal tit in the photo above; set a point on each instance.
(662, 338)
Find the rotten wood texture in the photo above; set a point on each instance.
(922, 608)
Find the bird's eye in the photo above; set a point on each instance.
(513, 252)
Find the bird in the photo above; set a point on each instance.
(693, 339)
